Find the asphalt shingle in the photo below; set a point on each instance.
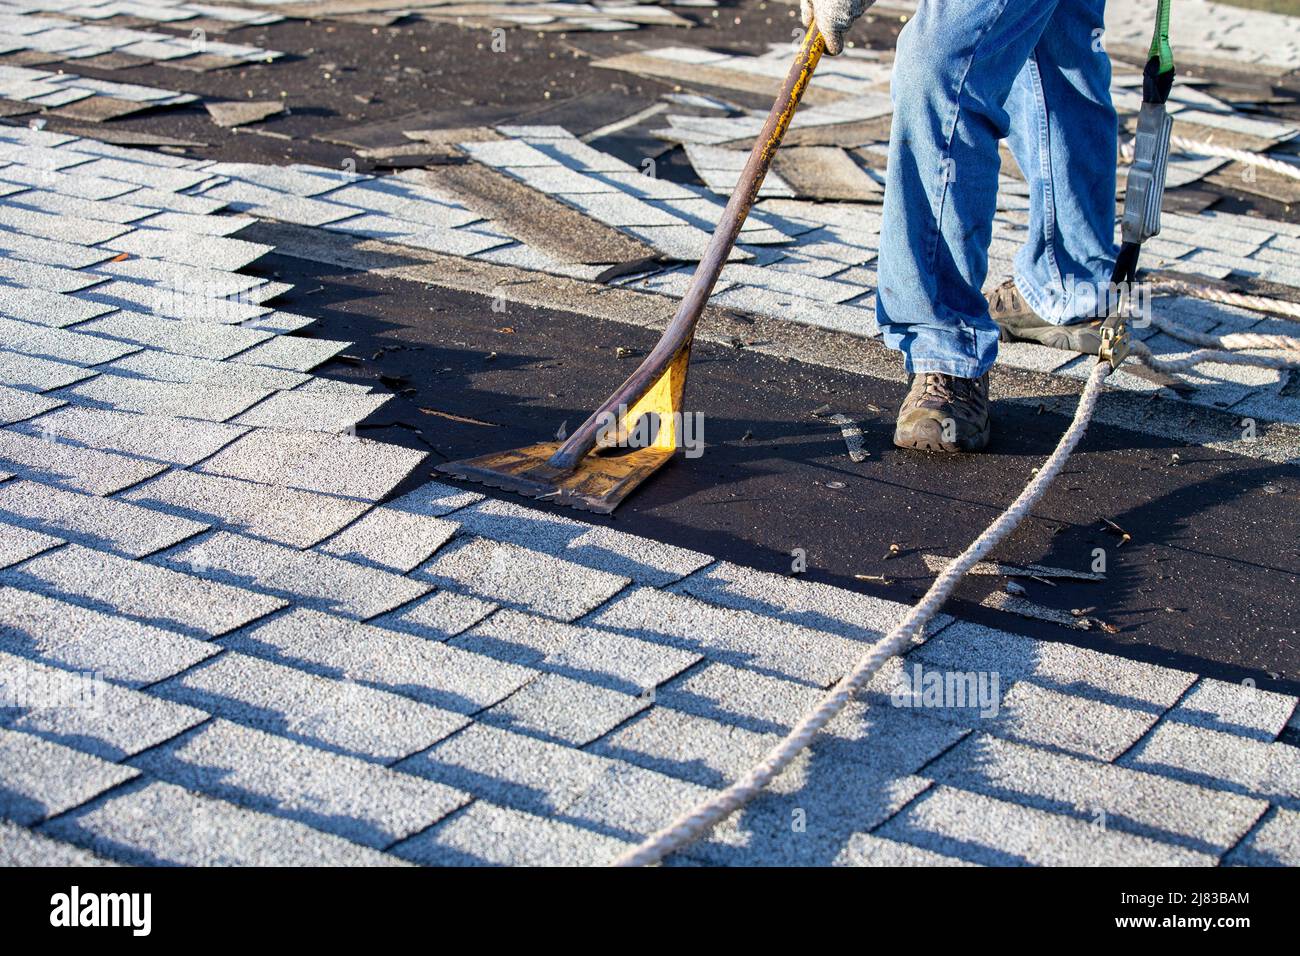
(33, 374)
(314, 411)
(135, 589)
(164, 824)
(437, 616)
(510, 769)
(611, 660)
(1121, 799)
(96, 522)
(1221, 761)
(390, 539)
(208, 340)
(177, 441)
(514, 576)
(423, 670)
(17, 405)
(1276, 842)
(330, 464)
(1235, 708)
(484, 834)
(85, 712)
(77, 638)
(996, 833)
(23, 847)
(338, 715)
(642, 560)
(797, 601)
(76, 469)
(351, 798)
(167, 399)
(559, 708)
(41, 779)
(298, 519)
(740, 638)
(48, 308)
(306, 578)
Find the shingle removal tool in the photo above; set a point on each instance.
(636, 431)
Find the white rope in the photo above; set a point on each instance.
(1202, 148)
(697, 821)
(1253, 303)
(1141, 352)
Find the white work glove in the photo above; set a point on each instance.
(833, 17)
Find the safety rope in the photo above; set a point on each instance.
(693, 824)
(1253, 303)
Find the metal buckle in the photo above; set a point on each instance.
(1114, 340)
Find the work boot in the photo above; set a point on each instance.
(1017, 322)
(944, 413)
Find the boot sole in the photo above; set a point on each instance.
(978, 443)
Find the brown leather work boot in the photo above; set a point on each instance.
(944, 413)
(1017, 322)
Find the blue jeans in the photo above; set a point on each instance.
(969, 73)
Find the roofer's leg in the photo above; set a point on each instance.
(1064, 133)
(956, 64)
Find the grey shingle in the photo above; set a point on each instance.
(996, 833)
(631, 802)
(313, 411)
(285, 516)
(61, 204)
(168, 367)
(1235, 708)
(692, 748)
(100, 522)
(23, 847)
(42, 779)
(16, 404)
(863, 849)
(808, 814)
(293, 352)
(739, 696)
(394, 540)
(510, 769)
(85, 232)
(351, 798)
(1118, 798)
(168, 399)
(611, 660)
(75, 638)
(516, 577)
(484, 834)
(83, 469)
(798, 601)
(89, 713)
(177, 441)
(19, 544)
(144, 174)
(61, 345)
(200, 339)
(48, 308)
(338, 715)
(1073, 670)
(194, 280)
(435, 498)
(1276, 842)
(444, 676)
(138, 590)
(566, 710)
(740, 638)
(34, 374)
(641, 559)
(163, 824)
(196, 304)
(308, 579)
(1221, 761)
(437, 616)
(330, 464)
(51, 252)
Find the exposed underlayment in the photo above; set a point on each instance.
(275, 660)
